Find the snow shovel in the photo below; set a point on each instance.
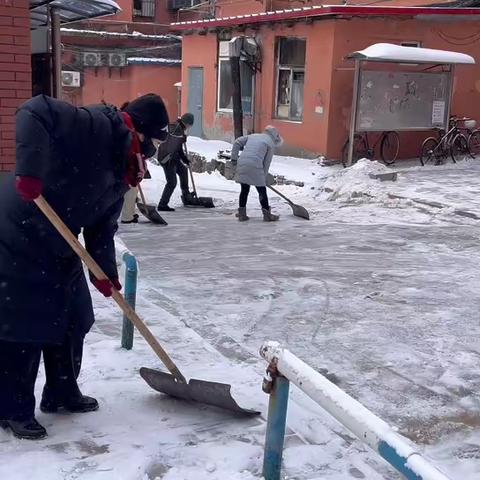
(174, 384)
(196, 201)
(149, 211)
(298, 210)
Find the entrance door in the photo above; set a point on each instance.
(195, 99)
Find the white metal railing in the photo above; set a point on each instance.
(284, 367)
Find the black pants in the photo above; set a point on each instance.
(19, 363)
(173, 168)
(262, 196)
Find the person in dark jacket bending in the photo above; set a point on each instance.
(173, 159)
(82, 160)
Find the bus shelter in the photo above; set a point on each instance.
(400, 88)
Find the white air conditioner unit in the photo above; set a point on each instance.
(223, 49)
(70, 79)
(91, 59)
(117, 60)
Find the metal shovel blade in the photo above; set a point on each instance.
(151, 213)
(300, 211)
(202, 391)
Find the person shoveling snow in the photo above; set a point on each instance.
(252, 168)
(83, 161)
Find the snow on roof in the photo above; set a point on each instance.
(70, 10)
(99, 33)
(154, 61)
(387, 52)
(329, 10)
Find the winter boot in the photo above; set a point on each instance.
(165, 208)
(81, 404)
(133, 220)
(268, 216)
(26, 429)
(242, 214)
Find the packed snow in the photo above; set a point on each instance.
(378, 293)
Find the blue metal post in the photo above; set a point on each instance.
(131, 271)
(276, 423)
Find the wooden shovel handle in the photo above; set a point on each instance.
(116, 295)
(142, 196)
(280, 194)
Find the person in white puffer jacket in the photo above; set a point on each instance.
(252, 168)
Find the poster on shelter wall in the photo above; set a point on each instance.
(402, 101)
(438, 113)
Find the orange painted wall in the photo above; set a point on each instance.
(329, 78)
(116, 86)
(309, 135)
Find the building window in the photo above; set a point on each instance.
(290, 78)
(144, 8)
(225, 88)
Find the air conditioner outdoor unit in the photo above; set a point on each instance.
(223, 50)
(117, 59)
(91, 59)
(70, 79)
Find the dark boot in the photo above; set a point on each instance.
(242, 214)
(26, 429)
(82, 404)
(134, 219)
(268, 216)
(165, 208)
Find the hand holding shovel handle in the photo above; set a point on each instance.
(117, 296)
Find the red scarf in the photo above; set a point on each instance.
(136, 166)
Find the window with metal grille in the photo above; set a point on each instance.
(144, 8)
(290, 78)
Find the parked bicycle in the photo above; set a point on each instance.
(389, 148)
(461, 140)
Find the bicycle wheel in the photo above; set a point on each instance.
(430, 151)
(473, 143)
(390, 147)
(359, 150)
(459, 148)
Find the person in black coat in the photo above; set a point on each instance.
(82, 160)
(172, 157)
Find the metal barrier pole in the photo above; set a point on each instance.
(278, 388)
(131, 271)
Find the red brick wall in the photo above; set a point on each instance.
(15, 73)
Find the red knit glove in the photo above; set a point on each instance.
(29, 188)
(105, 286)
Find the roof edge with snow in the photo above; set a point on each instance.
(328, 11)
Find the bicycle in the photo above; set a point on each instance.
(453, 143)
(473, 141)
(389, 148)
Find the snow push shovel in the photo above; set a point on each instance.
(298, 210)
(174, 384)
(149, 211)
(195, 200)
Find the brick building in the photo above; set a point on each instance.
(15, 72)
(303, 84)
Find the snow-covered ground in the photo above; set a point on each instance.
(378, 293)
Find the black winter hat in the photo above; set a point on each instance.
(149, 116)
(187, 118)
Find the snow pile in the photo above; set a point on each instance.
(358, 181)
